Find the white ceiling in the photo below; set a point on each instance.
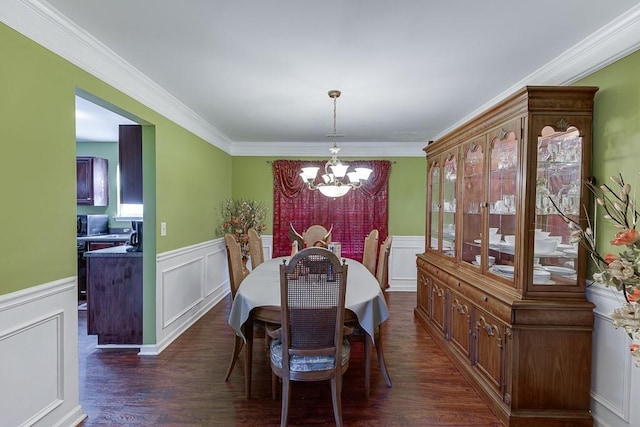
(95, 123)
(258, 71)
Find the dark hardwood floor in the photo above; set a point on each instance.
(184, 385)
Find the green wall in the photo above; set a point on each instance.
(252, 178)
(616, 129)
(185, 177)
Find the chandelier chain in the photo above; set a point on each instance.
(337, 178)
(335, 99)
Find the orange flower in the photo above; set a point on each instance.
(635, 296)
(634, 347)
(626, 237)
(609, 258)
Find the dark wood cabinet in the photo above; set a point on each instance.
(500, 286)
(130, 157)
(114, 297)
(92, 181)
(88, 245)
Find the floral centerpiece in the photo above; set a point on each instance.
(621, 270)
(238, 216)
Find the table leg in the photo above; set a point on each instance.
(367, 363)
(248, 355)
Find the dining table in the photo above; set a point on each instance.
(258, 299)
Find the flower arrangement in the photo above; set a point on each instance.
(621, 270)
(238, 216)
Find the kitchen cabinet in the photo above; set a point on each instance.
(500, 286)
(92, 243)
(92, 181)
(114, 295)
(130, 157)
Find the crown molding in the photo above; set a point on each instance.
(46, 26)
(43, 24)
(610, 43)
(321, 149)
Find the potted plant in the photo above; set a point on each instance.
(238, 216)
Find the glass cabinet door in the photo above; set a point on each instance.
(503, 201)
(472, 197)
(450, 169)
(433, 206)
(558, 190)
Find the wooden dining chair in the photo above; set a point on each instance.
(310, 344)
(317, 235)
(382, 271)
(255, 248)
(370, 254)
(360, 334)
(234, 261)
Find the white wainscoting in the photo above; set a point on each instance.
(39, 356)
(615, 381)
(189, 281)
(403, 273)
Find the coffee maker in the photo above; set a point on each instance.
(135, 240)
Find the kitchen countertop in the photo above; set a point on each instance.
(116, 251)
(105, 238)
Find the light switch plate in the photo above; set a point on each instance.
(163, 228)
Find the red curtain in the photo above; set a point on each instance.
(352, 216)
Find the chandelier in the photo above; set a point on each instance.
(335, 172)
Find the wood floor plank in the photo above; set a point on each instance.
(184, 385)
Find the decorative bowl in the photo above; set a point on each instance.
(545, 246)
(542, 234)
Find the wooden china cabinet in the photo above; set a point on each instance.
(500, 286)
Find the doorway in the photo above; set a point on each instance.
(98, 135)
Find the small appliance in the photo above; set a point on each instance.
(135, 240)
(91, 225)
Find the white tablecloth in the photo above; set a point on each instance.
(262, 288)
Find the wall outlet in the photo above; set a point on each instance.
(163, 228)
